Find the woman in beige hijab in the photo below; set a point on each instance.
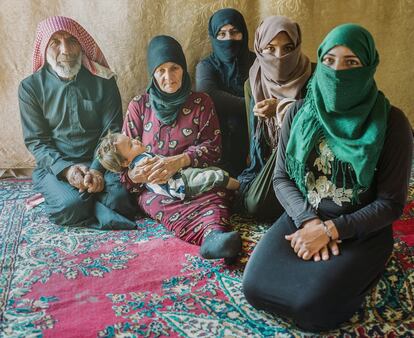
(277, 78)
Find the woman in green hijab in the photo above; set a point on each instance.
(342, 173)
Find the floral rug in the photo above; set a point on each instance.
(68, 282)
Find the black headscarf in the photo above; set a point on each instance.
(229, 56)
(162, 49)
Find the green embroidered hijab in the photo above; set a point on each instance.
(346, 108)
(163, 49)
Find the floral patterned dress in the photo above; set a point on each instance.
(322, 187)
(197, 133)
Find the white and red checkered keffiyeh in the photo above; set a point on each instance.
(92, 56)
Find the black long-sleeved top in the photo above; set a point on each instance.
(379, 206)
(208, 80)
(63, 121)
(230, 108)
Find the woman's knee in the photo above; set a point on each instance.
(316, 313)
(317, 321)
(308, 312)
(253, 290)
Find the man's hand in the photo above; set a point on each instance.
(75, 176)
(93, 181)
(84, 179)
(266, 108)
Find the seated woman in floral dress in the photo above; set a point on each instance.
(182, 126)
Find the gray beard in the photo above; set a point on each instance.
(63, 70)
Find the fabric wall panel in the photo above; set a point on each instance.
(123, 29)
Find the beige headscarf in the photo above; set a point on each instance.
(278, 77)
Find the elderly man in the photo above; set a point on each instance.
(69, 102)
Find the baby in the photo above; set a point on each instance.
(117, 151)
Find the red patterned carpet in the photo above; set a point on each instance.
(64, 282)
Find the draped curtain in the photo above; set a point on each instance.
(123, 29)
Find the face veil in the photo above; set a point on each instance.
(278, 77)
(229, 56)
(344, 107)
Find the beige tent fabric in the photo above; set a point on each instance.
(122, 28)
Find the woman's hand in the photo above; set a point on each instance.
(166, 167)
(324, 253)
(332, 246)
(312, 240)
(266, 108)
(142, 170)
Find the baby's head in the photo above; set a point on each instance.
(116, 151)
